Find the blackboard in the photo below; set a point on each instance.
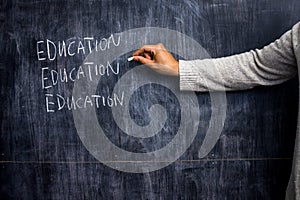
(43, 155)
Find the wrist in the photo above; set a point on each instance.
(175, 68)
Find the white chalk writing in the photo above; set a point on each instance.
(48, 50)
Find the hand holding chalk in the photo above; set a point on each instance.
(158, 58)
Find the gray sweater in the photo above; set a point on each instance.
(271, 65)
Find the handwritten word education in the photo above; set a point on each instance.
(50, 50)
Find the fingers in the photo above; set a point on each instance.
(144, 49)
(148, 56)
(150, 49)
(143, 60)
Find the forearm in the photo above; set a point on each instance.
(271, 65)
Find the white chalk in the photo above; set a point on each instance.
(130, 59)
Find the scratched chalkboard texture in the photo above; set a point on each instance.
(42, 156)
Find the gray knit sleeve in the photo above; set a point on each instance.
(271, 65)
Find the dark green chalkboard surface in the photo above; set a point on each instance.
(45, 155)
